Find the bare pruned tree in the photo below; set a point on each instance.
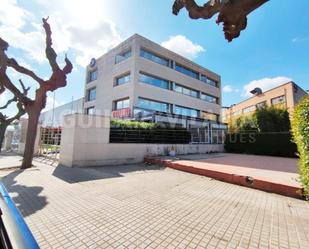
(5, 121)
(232, 13)
(33, 107)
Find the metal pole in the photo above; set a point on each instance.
(53, 109)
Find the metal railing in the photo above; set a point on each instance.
(14, 232)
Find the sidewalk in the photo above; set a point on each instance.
(142, 206)
(9, 160)
(272, 174)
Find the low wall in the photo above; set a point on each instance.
(85, 142)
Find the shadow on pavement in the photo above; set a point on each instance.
(75, 175)
(28, 199)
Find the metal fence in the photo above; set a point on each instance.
(50, 140)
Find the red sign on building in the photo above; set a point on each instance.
(122, 113)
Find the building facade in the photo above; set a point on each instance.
(54, 117)
(283, 96)
(141, 80)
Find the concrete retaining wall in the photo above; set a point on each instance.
(85, 142)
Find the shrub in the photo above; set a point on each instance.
(300, 130)
(272, 119)
(271, 144)
(243, 123)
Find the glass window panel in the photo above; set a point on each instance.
(210, 116)
(278, 100)
(91, 94)
(249, 109)
(261, 105)
(212, 82)
(185, 111)
(209, 98)
(93, 75)
(155, 58)
(187, 71)
(203, 78)
(121, 104)
(151, 80)
(123, 79)
(153, 105)
(123, 56)
(91, 111)
(185, 90)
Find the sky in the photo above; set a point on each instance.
(274, 48)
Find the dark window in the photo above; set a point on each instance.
(249, 109)
(185, 90)
(90, 110)
(155, 58)
(155, 81)
(153, 105)
(209, 98)
(122, 79)
(93, 75)
(278, 100)
(218, 136)
(261, 105)
(209, 81)
(123, 56)
(186, 111)
(91, 94)
(121, 104)
(187, 71)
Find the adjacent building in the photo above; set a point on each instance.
(284, 96)
(54, 116)
(141, 80)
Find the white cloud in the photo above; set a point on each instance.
(12, 15)
(183, 46)
(229, 89)
(265, 84)
(78, 26)
(51, 102)
(300, 39)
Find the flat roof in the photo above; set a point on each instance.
(290, 82)
(156, 44)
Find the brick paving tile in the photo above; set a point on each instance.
(140, 206)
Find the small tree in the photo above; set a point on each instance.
(242, 124)
(33, 107)
(272, 119)
(268, 119)
(300, 130)
(5, 121)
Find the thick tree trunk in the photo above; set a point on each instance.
(3, 127)
(30, 138)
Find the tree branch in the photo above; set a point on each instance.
(58, 78)
(49, 51)
(232, 13)
(13, 64)
(14, 99)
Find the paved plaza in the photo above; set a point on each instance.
(273, 174)
(141, 206)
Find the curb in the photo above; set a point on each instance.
(241, 180)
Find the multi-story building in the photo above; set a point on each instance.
(54, 117)
(286, 96)
(141, 80)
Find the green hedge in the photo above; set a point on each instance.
(300, 130)
(271, 144)
(123, 131)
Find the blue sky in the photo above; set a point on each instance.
(273, 49)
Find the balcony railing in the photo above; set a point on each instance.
(14, 232)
